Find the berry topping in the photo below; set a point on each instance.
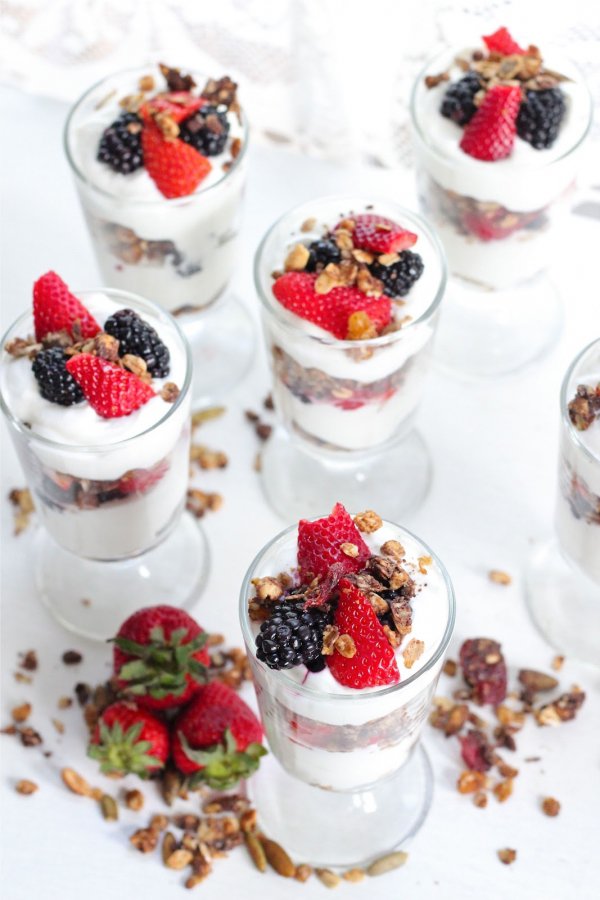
(458, 102)
(110, 390)
(55, 308)
(380, 235)
(121, 144)
(217, 738)
(476, 751)
(296, 292)
(490, 134)
(139, 338)
(291, 636)
(178, 105)
(175, 167)
(484, 670)
(159, 657)
(374, 662)
(399, 277)
(501, 41)
(320, 544)
(321, 253)
(207, 130)
(138, 481)
(54, 381)
(540, 117)
(129, 739)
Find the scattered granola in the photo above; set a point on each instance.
(584, 408)
(72, 657)
(206, 415)
(368, 521)
(21, 713)
(412, 652)
(199, 502)
(550, 806)
(22, 501)
(134, 799)
(26, 787)
(207, 458)
(507, 856)
(557, 663)
(499, 577)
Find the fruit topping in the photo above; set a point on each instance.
(121, 144)
(476, 751)
(207, 130)
(540, 117)
(398, 277)
(458, 103)
(374, 662)
(178, 105)
(217, 738)
(110, 390)
(175, 167)
(490, 134)
(138, 481)
(380, 235)
(137, 337)
(501, 41)
(159, 657)
(321, 253)
(55, 308)
(584, 408)
(484, 670)
(333, 539)
(291, 636)
(56, 384)
(129, 739)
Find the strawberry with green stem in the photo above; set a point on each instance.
(128, 739)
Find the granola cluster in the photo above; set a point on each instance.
(584, 408)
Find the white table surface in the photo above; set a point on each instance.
(494, 446)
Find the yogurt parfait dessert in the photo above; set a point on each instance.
(498, 129)
(95, 388)
(346, 623)
(350, 291)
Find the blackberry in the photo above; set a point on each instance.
(121, 144)
(56, 384)
(291, 636)
(207, 130)
(139, 338)
(322, 252)
(458, 102)
(400, 276)
(540, 116)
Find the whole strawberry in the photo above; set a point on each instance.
(217, 738)
(159, 657)
(129, 739)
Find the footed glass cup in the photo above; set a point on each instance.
(502, 310)
(563, 577)
(351, 757)
(346, 409)
(181, 252)
(104, 550)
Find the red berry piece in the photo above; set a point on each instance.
(217, 738)
(175, 167)
(139, 481)
(159, 657)
(501, 41)
(113, 392)
(381, 235)
(129, 739)
(55, 308)
(320, 544)
(178, 105)
(476, 751)
(490, 135)
(296, 292)
(374, 662)
(484, 670)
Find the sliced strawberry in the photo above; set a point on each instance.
(374, 662)
(179, 105)
(501, 41)
(320, 543)
(490, 134)
(138, 481)
(110, 390)
(55, 308)
(380, 235)
(296, 292)
(175, 167)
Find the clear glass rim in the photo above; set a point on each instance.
(437, 153)
(171, 201)
(133, 301)
(358, 696)
(351, 200)
(565, 399)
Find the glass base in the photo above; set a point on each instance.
(334, 829)
(564, 604)
(484, 333)
(92, 598)
(223, 341)
(301, 484)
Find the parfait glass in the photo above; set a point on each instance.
(563, 577)
(346, 779)
(346, 408)
(501, 224)
(180, 252)
(113, 533)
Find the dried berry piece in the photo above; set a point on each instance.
(476, 751)
(484, 670)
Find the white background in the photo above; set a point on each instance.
(494, 449)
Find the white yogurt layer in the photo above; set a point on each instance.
(528, 179)
(80, 427)
(203, 226)
(305, 712)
